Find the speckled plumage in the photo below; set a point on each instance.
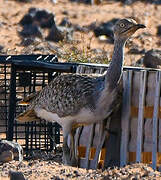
(67, 94)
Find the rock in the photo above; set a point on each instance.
(34, 20)
(56, 178)
(65, 12)
(31, 30)
(152, 58)
(92, 26)
(26, 20)
(65, 22)
(32, 11)
(41, 17)
(59, 33)
(96, 2)
(128, 2)
(6, 147)
(15, 175)
(55, 34)
(24, 0)
(106, 29)
(2, 51)
(6, 156)
(76, 27)
(1, 48)
(157, 2)
(151, 174)
(44, 18)
(92, 2)
(139, 62)
(136, 50)
(54, 1)
(159, 30)
(27, 41)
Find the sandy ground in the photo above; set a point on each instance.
(49, 169)
(11, 13)
(82, 14)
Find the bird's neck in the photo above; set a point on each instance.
(114, 71)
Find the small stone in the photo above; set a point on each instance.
(65, 22)
(76, 173)
(159, 30)
(27, 41)
(136, 50)
(152, 58)
(31, 30)
(14, 175)
(1, 48)
(106, 29)
(151, 173)
(6, 156)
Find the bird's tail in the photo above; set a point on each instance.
(27, 116)
(28, 99)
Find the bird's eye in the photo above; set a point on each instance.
(122, 25)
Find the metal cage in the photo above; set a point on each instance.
(20, 76)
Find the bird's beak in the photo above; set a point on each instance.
(138, 26)
(134, 28)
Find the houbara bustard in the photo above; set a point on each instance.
(74, 100)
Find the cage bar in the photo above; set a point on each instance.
(20, 76)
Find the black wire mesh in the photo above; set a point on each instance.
(5, 72)
(21, 76)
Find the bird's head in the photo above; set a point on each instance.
(125, 28)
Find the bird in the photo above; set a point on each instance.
(74, 100)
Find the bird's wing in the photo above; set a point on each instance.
(67, 94)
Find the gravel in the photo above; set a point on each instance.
(50, 169)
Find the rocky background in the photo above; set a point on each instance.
(77, 31)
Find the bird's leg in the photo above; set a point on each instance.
(66, 150)
(73, 150)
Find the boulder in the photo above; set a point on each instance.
(31, 30)
(106, 29)
(10, 151)
(15, 175)
(152, 58)
(60, 33)
(159, 30)
(6, 156)
(41, 17)
(34, 20)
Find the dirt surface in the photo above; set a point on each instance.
(83, 15)
(11, 13)
(49, 169)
